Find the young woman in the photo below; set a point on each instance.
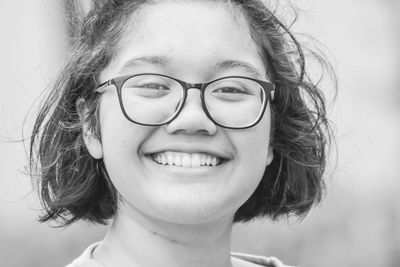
(173, 120)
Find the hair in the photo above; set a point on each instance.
(72, 185)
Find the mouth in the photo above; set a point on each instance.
(186, 160)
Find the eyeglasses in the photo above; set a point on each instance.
(150, 99)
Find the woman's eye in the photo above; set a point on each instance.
(230, 90)
(155, 86)
(146, 88)
(230, 94)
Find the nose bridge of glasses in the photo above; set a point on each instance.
(197, 97)
(192, 116)
(189, 86)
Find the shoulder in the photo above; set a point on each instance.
(248, 260)
(88, 263)
(238, 260)
(85, 259)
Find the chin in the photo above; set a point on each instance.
(195, 213)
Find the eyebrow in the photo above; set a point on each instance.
(236, 64)
(149, 60)
(223, 65)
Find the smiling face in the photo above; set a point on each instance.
(190, 170)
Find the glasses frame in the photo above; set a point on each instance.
(118, 82)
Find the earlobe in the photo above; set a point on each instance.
(270, 156)
(92, 142)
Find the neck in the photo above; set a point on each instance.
(138, 240)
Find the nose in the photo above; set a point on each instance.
(192, 119)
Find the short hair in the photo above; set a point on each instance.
(72, 185)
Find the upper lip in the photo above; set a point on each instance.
(192, 148)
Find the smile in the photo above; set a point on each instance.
(186, 160)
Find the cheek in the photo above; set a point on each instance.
(253, 161)
(120, 139)
(253, 152)
(253, 144)
(114, 129)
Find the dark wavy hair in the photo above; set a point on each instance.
(72, 185)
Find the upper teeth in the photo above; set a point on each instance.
(187, 160)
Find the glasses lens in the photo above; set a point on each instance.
(151, 99)
(235, 102)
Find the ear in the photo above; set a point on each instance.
(270, 156)
(92, 143)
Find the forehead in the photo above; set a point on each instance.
(190, 34)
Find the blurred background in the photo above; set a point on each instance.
(358, 223)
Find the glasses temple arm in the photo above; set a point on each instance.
(103, 86)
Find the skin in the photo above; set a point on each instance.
(183, 215)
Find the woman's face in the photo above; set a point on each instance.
(189, 41)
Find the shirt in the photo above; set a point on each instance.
(85, 260)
